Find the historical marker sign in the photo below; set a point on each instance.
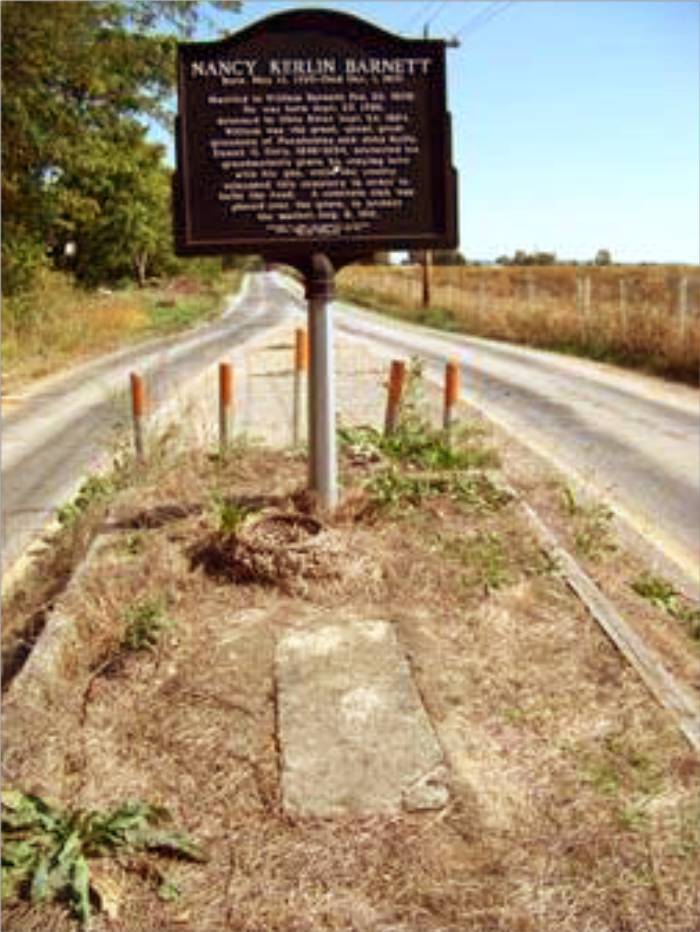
(309, 131)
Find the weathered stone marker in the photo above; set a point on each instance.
(354, 735)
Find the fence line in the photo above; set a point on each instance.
(628, 313)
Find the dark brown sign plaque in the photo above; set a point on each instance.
(313, 131)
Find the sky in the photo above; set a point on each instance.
(576, 123)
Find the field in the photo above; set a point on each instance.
(57, 324)
(647, 317)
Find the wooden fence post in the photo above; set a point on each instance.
(682, 305)
(623, 307)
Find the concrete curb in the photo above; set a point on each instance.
(56, 646)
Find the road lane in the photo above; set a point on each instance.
(58, 433)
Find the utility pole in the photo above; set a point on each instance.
(427, 262)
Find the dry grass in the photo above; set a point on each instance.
(57, 324)
(574, 802)
(632, 318)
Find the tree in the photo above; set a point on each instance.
(448, 257)
(520, 257)
(603, 257)
(114, 205)
(78, 79)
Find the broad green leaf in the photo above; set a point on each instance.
(171, 842)
(22, 810)
(80, 890)
(40, 890)
(19, 852)
(69, 851)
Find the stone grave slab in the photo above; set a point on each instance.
(354, 735)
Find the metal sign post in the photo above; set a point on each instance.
(323, 469)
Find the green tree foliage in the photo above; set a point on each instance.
(78, 82)
(448, 257)
(114, 204)
(520, 257)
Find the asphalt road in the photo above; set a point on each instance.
(60, 430)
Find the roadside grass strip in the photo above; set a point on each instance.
(570, 797)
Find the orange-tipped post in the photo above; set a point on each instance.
(225, 405)
(301, 367)
(451, 394)
(301, 351)
(138, 410)
(397, 377)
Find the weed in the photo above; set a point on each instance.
(514, 715)
(603, 776)
(415, 444)
(390, 489)
(544, 564)
(688, 844)
(426, 449)
(133, 544)
(94, 489)
(169, 891)
(662, 594)
(593, 540)
(485, 559)
(569, 503)
(46, 850)
(633, 817)
(439, 318)
(145, 624)
(592, 533)
(230, 515)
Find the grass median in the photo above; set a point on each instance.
(573, 799)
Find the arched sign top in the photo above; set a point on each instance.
(313, 130)
(330, 22)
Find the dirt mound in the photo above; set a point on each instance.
(282, 549)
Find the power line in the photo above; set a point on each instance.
(483, 17)
(416, 16)
(435, 15)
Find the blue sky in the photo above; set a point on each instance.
(576, 123)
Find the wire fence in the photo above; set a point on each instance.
(642, 315)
